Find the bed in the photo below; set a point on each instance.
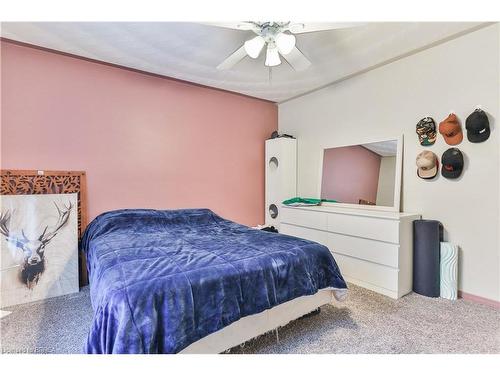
(190, 281)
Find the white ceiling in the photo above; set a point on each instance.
(191, 51)
(384, 148)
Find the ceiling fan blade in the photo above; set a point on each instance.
(233, 59)
(297, 60)
(245, 25)
(300, 28)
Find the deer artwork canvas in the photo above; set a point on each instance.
(38, 246)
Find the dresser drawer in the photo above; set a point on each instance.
(367, 272)
(364, 226)
(362, 248)
(305, 233)
(310, 219)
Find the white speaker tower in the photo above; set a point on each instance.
(281, 176)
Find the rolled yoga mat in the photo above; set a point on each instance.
(449, 271)
(427, 235)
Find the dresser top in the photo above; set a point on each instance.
(357, 212)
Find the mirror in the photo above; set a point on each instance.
(366, 174)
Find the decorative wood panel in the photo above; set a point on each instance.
(19, 182)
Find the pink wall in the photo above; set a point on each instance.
(144, 141)
(349, 174)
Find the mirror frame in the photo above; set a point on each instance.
(397, 181)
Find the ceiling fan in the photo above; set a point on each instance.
(279, 40)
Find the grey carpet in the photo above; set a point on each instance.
(366, 323)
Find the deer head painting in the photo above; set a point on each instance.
(39, 246)
(33, 248)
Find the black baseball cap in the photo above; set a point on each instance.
(478, 126)
(452, 163)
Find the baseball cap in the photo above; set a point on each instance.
(478, 126)
(426, 130)
(452, 163)
(451, 130)
(427, 165)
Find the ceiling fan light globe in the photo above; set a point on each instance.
(254, 46)
(272, 57)
(285, 43)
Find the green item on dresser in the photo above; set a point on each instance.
(298, 201)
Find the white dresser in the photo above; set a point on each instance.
(374, 249)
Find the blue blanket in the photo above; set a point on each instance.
(161, 280)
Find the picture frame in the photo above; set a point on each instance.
(20, 181)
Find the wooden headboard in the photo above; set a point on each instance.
(18, 182)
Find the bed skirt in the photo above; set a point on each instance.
(255, 325)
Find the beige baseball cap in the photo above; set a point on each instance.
(427, 165)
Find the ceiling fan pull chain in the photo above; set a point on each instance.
(270, 76)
